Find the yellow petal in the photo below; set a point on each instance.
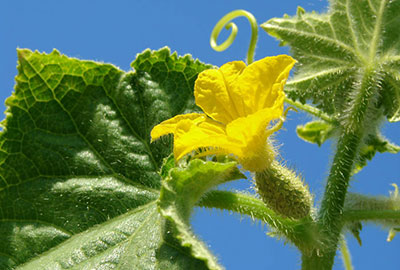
(168, 126)
(211, 93)
(207, 136)
(245, 137)
(231, 72)
(261, 83)
(256, 154)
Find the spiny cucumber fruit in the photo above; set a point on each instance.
(284, 191)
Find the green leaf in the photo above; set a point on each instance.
(168, 164)
(135, 240)
(315, 131)
(182, 189)
(78, 175)
(391, 96)
(373, 144)
(335, 50)
(355, 229)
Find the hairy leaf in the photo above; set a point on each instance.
(373, 144)
(315, 131)
(78, 175)
(180, 192)
(338, 50)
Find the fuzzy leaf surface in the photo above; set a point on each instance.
(373, 144)
(78, 175)
(315, 131)
(182, 189)
(336, 49)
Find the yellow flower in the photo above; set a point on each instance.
(239, 103)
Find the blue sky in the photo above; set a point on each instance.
(114, 32)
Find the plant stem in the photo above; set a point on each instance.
(330, 214)
(310, 109)
(248, 205)
(371, 215)
(299, 232)
(331, 211)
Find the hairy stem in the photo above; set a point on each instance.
(380, 209)
(371, 215)
(247, 205)
(330, 215)
(310, 109)
(300, 232)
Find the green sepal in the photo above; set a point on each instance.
(315, 131)
(180, 192)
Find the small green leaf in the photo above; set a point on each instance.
(335, 50)
(182, 189)
(315, 131)
(79, 179)
(355, 229)
(168, 164)
(392, 233)
(373, 144)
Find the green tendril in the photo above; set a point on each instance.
(346, 257)
(226, 21)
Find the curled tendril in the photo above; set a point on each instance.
(226, 21)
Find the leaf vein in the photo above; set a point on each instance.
(73, 120)
(377, 31)
(132, 236)
(136, 134)
(316, 75)
(371, 6)
(326, 39)
(351, 28)
(38, 221)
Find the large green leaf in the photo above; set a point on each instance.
(78, 175)
(355, 43)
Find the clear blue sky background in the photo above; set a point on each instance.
(115, 31)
